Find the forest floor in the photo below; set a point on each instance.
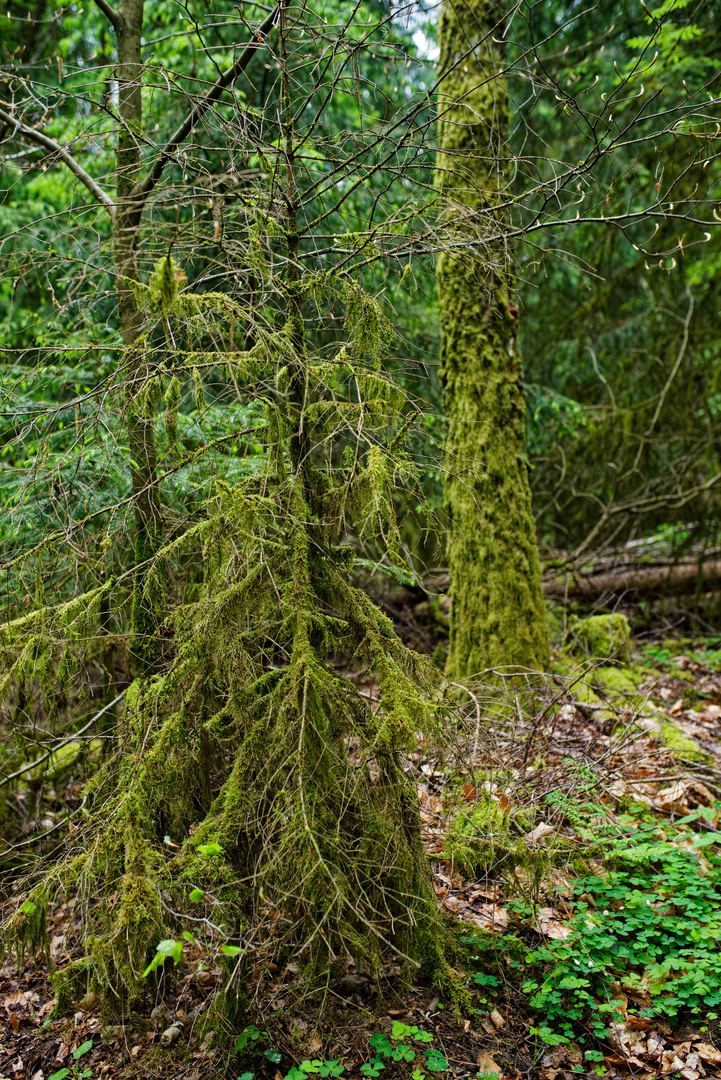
(573, 848)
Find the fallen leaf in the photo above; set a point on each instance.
(539, 834)
(18, 998)
(673, 799)
(693, 1062)
(670, 1062)
(489, 917)
(708, 1053)
(638, 1023)
(487, 1065)
(549, 924)
(626, 1040)
(497, 1019)
(656, 1044)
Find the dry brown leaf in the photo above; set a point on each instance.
(673, 799)
(496, 1019)
(554, 1057)
(656, 1044)
(670, 1062)
(708, 1053)
(489, 917)
(487, 894)
(487, 1065)
(550, 923)
(627, 1041)
(18, 998)
(693, 1061)
(429, 802)
(539, 834)
(638, 1023)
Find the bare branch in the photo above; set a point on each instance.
(109, 12)
(199, 110)
(75, 167)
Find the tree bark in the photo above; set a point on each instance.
(497, 613)
(126, 235)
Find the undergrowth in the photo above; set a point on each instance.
(644, 928)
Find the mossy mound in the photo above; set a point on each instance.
(601, 637)
(488, 835)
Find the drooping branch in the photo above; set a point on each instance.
(65, 156)
(200, 109)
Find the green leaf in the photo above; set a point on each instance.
(272, 1054)
(83, 1049)
(28, 907)
(188, 936)
(247, 1076)
(197, 895)
(232, 950)
(167, 949)
(210, 849)
(60, 1074)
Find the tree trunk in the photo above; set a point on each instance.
(139, 425)
(635, 582)
(497, 612)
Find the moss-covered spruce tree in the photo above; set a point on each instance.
(250, 787)
(497, 612)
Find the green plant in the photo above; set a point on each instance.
(395, 1048)
(650, 921)
(168, 949)
(74, 1071)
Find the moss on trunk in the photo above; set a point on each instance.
(497, 612)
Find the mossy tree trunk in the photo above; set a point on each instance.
(497, 613)
(128, 25)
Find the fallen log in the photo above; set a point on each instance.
(636, 581)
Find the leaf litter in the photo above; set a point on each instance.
(512, 761)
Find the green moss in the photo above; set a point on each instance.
(686, 748)
(242, 739)
(484, 836)
(27, 930)
(601, 637)
(70, 984)
(621, 680)
(497, 613)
